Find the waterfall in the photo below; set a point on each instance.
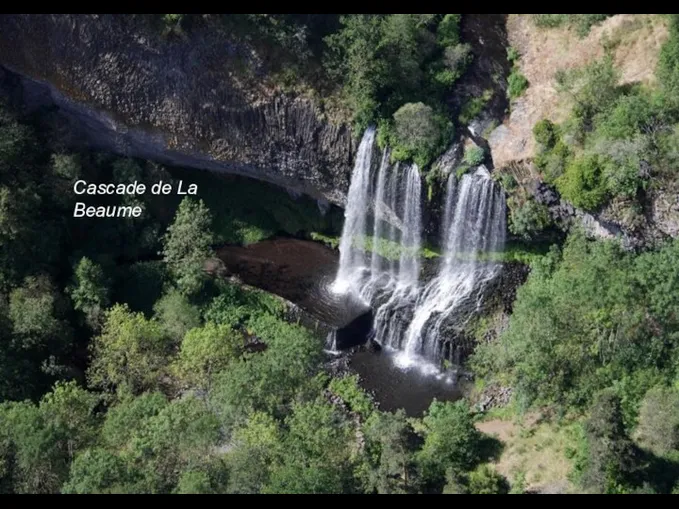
(409, 261)
(351, 247)
(381, 243)
(474, 231)
(381, 237)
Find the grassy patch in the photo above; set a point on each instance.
(330, 241)
(534, 452)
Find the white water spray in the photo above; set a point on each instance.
(384, 210)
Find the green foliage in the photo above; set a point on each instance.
(611, 457)
(389, 464)
(187, 244)
(387, 61)
(528, 218)
(45, 438)
(316, 452)
(513, 55)
(455, 61)
(484, 480)
(176, 315)
(587, 317)
(36, 311)
(273, 376)
(256, 445)
(206, 351)
(545, 133)
(130, 353)
(90, 291)
(96, 471)
(353, 395)
(583, 183)
(473, 155)
(516, 83)
(582, 23)
(473, 106)
(235, 305)
(658, 428)
(518, 486)
(416, 133)
(331, 242)
(448, 31)
(450, 441)
(668, 65)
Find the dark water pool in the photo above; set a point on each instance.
(395, 387)
(301, 271)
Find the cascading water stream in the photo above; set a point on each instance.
(383, 215)
(352, 242)
(475, 231)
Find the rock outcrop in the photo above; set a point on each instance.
(201, 100)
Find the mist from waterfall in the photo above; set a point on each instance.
(380, 252)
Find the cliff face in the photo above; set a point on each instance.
(202, 99)
(635, 40)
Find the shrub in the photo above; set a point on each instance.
(474, 155)
(513, 55)
(583, 183)
(448, 31)
(418, 133)
(553, 162)
(473, 106)
(528, 218)
(545, 133)
(415, 127)
(516, 84)
(484, 480)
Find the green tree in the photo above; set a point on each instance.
(448, 31)
(176, 314)
(417, 131)
(90, 291)
(273, 377)
(529, 218)
(390, 463)
(131, 352)
(316, 452)
(97, 471)
(45, 438)
(182, 435)
(205, 351)
(450, 441)
(256, 446)
(612, 458)
(187, 244)
(583, 183)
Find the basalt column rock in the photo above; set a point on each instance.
(203, 99)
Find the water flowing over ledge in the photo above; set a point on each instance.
(384, 207)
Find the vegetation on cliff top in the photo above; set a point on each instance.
(395, 71)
